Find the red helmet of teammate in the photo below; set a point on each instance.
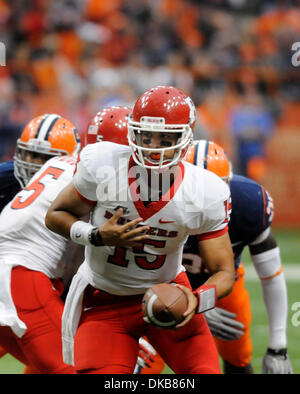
(209, 155)
(109, 124)
(162, 109)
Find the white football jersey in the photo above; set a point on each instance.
(196, 203)
(24, 238)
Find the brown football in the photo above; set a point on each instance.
(163, 305)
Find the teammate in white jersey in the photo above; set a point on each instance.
(30, 254)
(31, 309)
(144, 202)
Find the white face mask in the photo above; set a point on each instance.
(23, 169)
(157, 125)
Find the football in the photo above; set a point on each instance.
(163, 305)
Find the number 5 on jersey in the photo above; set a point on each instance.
(37, 187)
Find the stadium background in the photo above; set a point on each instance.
(233, 57)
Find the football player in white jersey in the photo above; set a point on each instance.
(135, 240)
(30, 254)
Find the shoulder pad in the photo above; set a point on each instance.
(252, 207)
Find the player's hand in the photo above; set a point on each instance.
(146, 354)
(223, 325)
(127, 235)
(276, 362)
(192, 305)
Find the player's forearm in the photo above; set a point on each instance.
(275, 298)
(65, 210)
(60, 222)
(218, 256)
(223, 280)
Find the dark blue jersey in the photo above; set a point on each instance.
(9, 186)
(252, 213)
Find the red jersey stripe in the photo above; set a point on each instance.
(212, 234)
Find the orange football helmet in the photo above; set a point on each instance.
(45, 136)
(209, 155)
(109, 124)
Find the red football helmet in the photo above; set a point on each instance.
(46, 135)
(162, 109)
(109, 124)
(209, 155)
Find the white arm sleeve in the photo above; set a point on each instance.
(269, 269)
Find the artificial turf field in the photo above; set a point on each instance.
(289, 241)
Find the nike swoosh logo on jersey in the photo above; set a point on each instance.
(236, 243)
(166, 221)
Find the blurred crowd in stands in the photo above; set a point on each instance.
(233, 57)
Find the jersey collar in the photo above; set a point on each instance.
(153, 207)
